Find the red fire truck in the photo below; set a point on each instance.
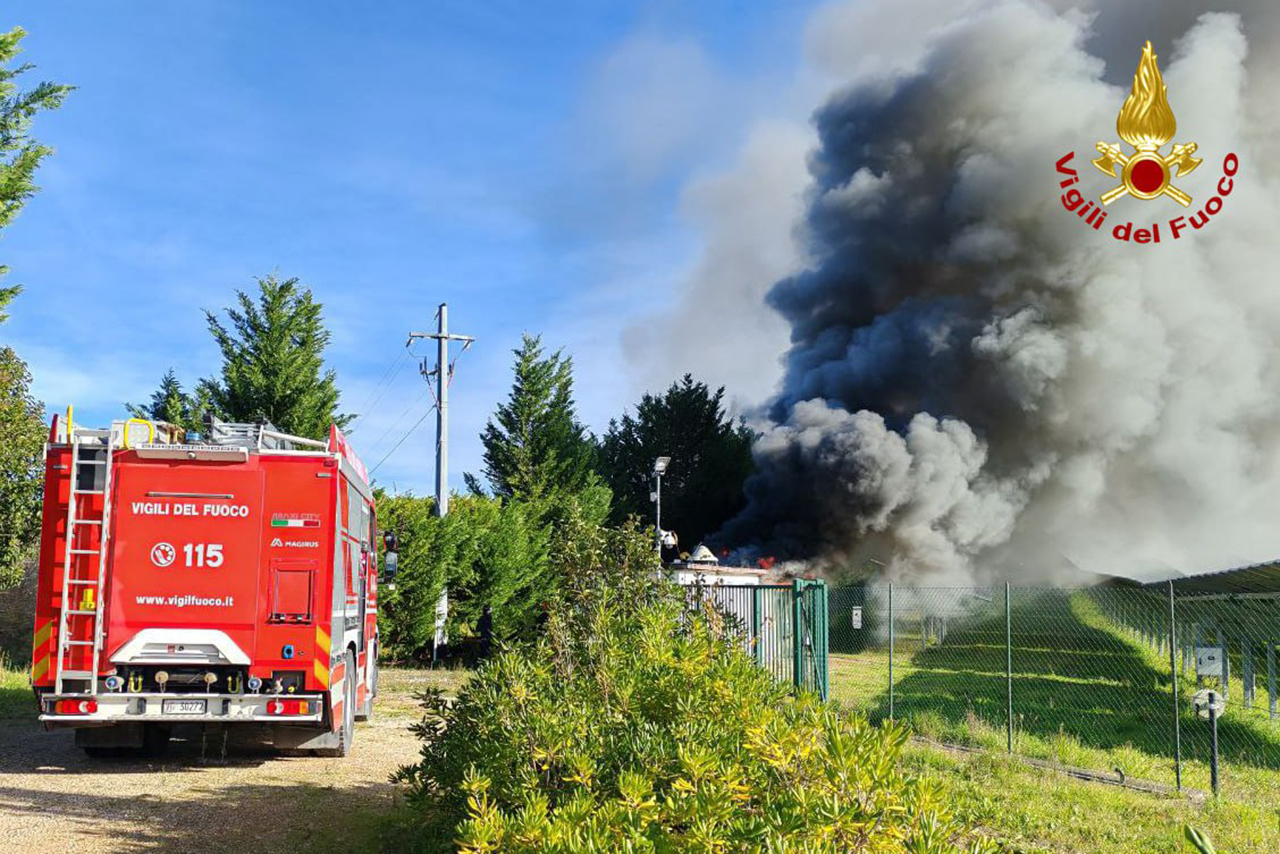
(226, 582)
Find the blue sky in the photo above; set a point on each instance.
(523, 162)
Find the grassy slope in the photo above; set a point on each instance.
(1086, 693)
(1038, 812)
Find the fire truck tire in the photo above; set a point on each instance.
(124, 740)
(103, 752)
(347, 730)
(155, 740)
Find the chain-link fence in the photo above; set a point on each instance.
(765, 617)
(1101, 679)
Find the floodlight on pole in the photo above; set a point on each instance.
(659, 466)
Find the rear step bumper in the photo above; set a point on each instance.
(83, 710)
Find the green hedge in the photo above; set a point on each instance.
(633, 726)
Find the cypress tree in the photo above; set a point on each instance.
(534, 446)
(170, 403)
(273, 361)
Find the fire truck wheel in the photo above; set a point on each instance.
(104, 752)
(345, 733)
(155, 740)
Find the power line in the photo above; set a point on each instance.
(407, 434)
(394, 424)
(384, 383)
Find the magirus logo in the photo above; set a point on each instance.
(1147, 124)
(294, 544)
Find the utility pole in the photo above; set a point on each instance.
(443, 373)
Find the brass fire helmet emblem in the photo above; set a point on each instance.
(1146, 122)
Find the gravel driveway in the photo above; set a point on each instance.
(54, 798)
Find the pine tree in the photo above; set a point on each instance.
(21, 415)
(171, 404)
(21, 474)
(20, 155)
(534, 446)
(710, 460)
(6, 297)
(273, 362)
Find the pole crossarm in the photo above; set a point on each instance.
(413, 336)
(443, 373)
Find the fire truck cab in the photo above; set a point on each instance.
(226, 582)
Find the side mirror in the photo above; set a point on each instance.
(390, 563)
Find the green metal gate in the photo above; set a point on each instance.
(783, 625)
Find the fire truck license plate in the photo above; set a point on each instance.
(183, 707)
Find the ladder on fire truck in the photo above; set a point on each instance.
(84, 569)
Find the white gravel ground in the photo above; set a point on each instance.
(55, 799)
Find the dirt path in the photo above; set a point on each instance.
(53, 798)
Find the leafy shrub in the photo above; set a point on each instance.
(632, 725)
(490, 553)
(514, 556)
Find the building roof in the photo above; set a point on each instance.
(1255, 579)
(703, 555)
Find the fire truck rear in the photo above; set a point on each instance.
(229, 582)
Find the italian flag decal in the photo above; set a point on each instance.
(295, 520)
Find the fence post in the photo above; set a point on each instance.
(1173, 672)
(1246, 673)
(1008, 666)
(822, 640)
(1226, 665)
(755, 625)
(797, 643)
(1196, 648)
(1271, 679)
(890, 650)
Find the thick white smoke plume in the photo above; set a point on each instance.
(977, 383)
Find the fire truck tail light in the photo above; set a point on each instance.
(75, 707)
(290, 707)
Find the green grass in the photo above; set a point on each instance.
(1087, 692)
(1035, 811)
(16, 699)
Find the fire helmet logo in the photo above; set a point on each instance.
(1146, 122)
(163, 554)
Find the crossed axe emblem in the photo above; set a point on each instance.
(1146, 174)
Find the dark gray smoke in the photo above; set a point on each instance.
(978, 383)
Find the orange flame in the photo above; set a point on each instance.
(1146, 120)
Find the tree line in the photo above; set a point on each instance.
(546, 478)
(547, 485)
